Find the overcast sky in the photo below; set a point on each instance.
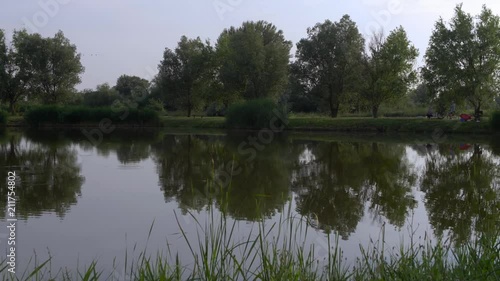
(129, 36)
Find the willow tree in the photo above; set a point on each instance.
(182, 72)
(330, 60)
(463, 58)
(389, 68)
(13, 82)
(51, 66)
(253, 61)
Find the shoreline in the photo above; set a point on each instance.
(303, 124)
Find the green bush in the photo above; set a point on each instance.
(3, 117)
(156, 105)
(254, 114)
(79, 114)
(495, 121)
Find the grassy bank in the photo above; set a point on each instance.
(398, 125)
(317, 123)
(43, 116)
(277, 252)
(394, 125)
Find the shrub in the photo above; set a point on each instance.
(80, 114)
(100, 98)
(495, 121)
(214, 110)
(42, 114)
(3, 117)
(254, 114)
(156, 105)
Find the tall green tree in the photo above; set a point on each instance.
(330, 59)
(463, 58)
(253, 61)
(12, 87)
(51, 65)
(389, 68)
(103, 95)
(131, 87)
(182, 74)
(420, 95)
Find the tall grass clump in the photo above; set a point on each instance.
(495, 121)
(255, 114)
(278, 251)
(53, 115)
(3, 118)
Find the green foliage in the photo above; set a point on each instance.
(12, 80)
(218, 254)
(421, 96)
(215, 109)
(183, 74)
(389, 68)
(103, 96)
(255, 114)
(463, 59)
(298, 97)
(329, 61)
(155, 105)
(252, 61)
(51, 65)
(53, 115)
(495, 121)
(3, 117)
(131, 87)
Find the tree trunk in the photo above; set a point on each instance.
(375, 111)
(477, 112)
(334, 110)
(11, 107)
(189, 103)
(334, 107)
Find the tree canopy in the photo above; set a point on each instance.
(51, 65)
(12, 79)
(330, 59)
(253, 61)
(463, 58)
(182, 72)
(389, 67)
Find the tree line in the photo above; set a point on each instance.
(334, 69)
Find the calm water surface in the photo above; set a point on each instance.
(80, 202)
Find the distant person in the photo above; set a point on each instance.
(452, 109)
(430, 112)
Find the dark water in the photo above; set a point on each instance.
(82, 201)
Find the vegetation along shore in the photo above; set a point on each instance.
(336, 73)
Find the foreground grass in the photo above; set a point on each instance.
(277, 252)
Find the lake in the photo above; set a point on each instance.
(80, 201)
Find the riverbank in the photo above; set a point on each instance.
(326, 124)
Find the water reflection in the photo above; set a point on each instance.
(462, 191)
(334, 183)
(198, 171)
(49, 175)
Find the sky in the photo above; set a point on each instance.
(118, 37)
